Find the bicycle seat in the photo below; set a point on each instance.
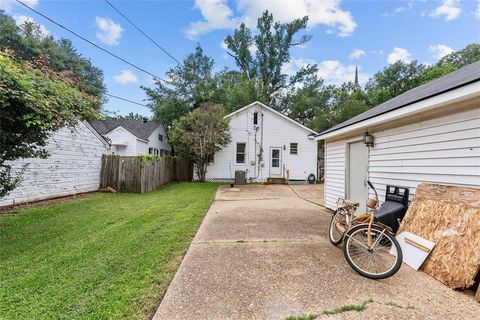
(348, 202)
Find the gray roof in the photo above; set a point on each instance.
(138, 128)
(453, 80)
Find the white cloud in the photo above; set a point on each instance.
(108, 31)
(332, 71)
(357, 54)
(449, 8)
(8, 4)
(125, 77)
(409, 5)
(406, 7)
(20, 20)
(440, 50)
(218, 15)
(399, 54)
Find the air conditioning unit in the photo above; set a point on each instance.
(240, 177)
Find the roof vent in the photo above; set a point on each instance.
(145, 120)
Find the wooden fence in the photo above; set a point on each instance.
(132, 174)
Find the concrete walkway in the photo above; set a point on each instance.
(262, 252)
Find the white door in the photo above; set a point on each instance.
(275, 161)
(357, 173)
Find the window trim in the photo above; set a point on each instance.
(244, 153)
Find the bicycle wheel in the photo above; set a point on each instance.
(334, 234)
(381, 261)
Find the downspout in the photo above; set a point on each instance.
(261, 149)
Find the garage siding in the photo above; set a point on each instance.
(334, 173)
(444, 150)
(73, 167)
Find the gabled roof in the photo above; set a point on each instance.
(96, 133)
(451, 81)
(273, 111)
(138, 128)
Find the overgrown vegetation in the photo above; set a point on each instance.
(30, 43)
(147, 158)
(34, 103)
(108, 256)
(200, 134)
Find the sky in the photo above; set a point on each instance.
(346, 34)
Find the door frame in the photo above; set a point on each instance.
(279, 162)
(347, 165)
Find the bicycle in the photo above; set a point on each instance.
(369, 243)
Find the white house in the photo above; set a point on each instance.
(428, 134)
(73, 166)
(264, 144)
(134, 137)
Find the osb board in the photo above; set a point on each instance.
(450, 217)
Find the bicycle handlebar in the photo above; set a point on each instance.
(370, 184)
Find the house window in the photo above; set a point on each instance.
(160, 137)
(293, 148)
(153, 151)
(255, 118)
(241, 152)
(211, 159)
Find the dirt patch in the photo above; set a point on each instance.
(13, 209)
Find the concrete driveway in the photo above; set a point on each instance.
(262, 252)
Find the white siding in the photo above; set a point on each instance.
(154, 141)
(334, 172)
(141, 147)
(72, 167)
(124, 143)
(277, 132)
(441, 149)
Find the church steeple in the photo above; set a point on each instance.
(356, 78)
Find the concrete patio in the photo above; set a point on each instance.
(262, 252)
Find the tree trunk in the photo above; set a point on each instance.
(201, 171)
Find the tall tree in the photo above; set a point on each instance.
(393, 80)
(272, 47)
(29, 43)
(235, 91)
(198, 135)
(189, 84)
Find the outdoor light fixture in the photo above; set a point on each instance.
(368, 139)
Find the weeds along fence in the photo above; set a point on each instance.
(138, 174)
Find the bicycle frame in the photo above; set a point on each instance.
(366, 217)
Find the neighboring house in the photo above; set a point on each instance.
(134, 137)
(428, 134)
(264, 143)
(73, 166)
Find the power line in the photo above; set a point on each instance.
(90, 42)
(127, 100)
(142, 32)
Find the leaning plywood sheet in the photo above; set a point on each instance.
(450, 217)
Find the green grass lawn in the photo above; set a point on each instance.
(101, 257)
